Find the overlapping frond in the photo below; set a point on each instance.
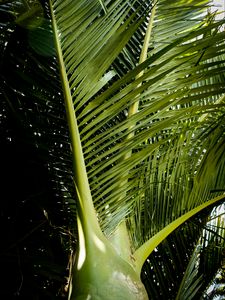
(179, 83)
(206, 259)
(165, 267)
(176, 178)
(183, 266)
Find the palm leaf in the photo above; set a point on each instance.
(207, 258)
(165, 267)
(98, 150)
(173, 269)
(93, 124)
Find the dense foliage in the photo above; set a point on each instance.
(177, 166)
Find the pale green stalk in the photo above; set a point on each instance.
(120, 238)
(85, 203)
(142, 253)
(98, 269)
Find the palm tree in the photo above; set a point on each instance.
(143, 86)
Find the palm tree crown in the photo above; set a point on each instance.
(143, 87)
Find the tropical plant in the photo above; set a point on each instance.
(143, 87)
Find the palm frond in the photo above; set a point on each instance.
(174, 77)
(208, 256)
(164, 269)
(174, 269)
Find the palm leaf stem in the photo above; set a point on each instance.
(142, 253)
(80, 175)
(94, 249)
(120, 238)
(134, 107)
